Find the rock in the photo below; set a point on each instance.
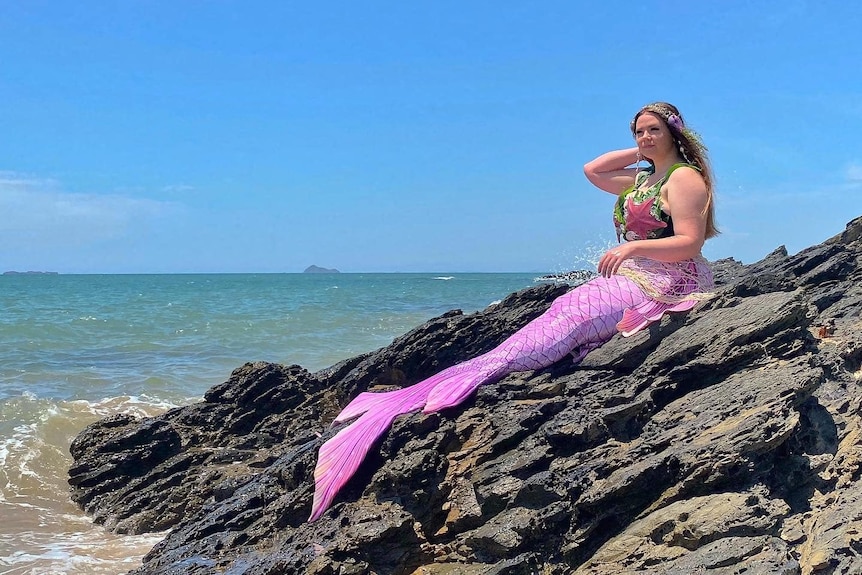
(572, 278)
(725, 440)
(319, 270)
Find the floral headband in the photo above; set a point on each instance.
(675, 122)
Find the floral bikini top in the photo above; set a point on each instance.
(638, 214)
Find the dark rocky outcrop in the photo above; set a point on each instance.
(726, 440)
(573, 278)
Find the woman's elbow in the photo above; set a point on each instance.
(686, 246)
(693, 247)
(590, 172)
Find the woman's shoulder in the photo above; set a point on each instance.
(683, 167)
(687, 177)
(682, 172)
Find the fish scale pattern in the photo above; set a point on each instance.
(581, 319)
(578, 321)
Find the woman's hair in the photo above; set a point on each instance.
(691, 149)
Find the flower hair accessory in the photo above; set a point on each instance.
(674, 120)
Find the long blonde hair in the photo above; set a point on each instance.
(692, 150)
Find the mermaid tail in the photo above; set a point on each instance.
(340, 456)
(638, 317)
(576, 323)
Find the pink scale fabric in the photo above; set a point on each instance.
(576, 323)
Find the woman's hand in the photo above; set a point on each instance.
(611, 260)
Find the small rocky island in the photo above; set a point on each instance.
(319, 270)
(723, 441)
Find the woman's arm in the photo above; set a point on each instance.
(610, 171)
(686, 200)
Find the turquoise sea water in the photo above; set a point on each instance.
(77, 348)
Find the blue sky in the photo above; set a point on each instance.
(266, 136)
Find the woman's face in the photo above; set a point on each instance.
(652, 136)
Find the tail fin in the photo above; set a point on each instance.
(341, 456)
(455, 388)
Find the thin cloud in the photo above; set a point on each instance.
(38, 211)
(178, 189)
(853, 173)
(850, 178)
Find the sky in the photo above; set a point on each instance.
(180, 136)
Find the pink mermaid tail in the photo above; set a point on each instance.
(576, 323)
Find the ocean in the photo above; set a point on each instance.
(77, 348)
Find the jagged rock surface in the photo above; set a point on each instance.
(727, 440)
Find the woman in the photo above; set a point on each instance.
(665, 213)
(668, 208)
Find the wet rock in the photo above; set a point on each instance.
(725, 440)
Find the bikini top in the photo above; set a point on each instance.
(637, 212)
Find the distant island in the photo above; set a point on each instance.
(319, 270)
(29, 273)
